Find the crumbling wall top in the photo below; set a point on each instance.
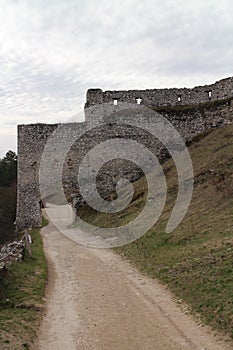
(222, 89)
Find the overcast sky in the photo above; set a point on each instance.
(52, 51)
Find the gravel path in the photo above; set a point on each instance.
(96, 300)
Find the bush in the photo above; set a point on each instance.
(7, 213)
(8, 173)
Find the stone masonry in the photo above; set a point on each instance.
(191, 111)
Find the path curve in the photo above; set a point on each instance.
(96, 300)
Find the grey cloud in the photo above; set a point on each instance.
(52, 51)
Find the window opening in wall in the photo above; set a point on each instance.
(210, 94)
(115, 102)
(179, 98)
(139, 100)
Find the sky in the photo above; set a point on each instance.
(52, 51)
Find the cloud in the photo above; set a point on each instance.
(52, 51)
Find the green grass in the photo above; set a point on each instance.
(195, 260)
(22, 297)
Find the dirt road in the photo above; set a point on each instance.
(95, 300)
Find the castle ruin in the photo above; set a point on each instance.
(191, 111)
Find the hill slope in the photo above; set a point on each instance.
(195, 260)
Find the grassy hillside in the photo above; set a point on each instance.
(22, 290)
(196, 260)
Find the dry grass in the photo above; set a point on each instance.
(196, 259)
(22, 298)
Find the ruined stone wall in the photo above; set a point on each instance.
(195, 113)
(31, 142)
(164, 97)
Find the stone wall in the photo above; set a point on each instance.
(164, 97)
(31, 142)
(194, 113)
